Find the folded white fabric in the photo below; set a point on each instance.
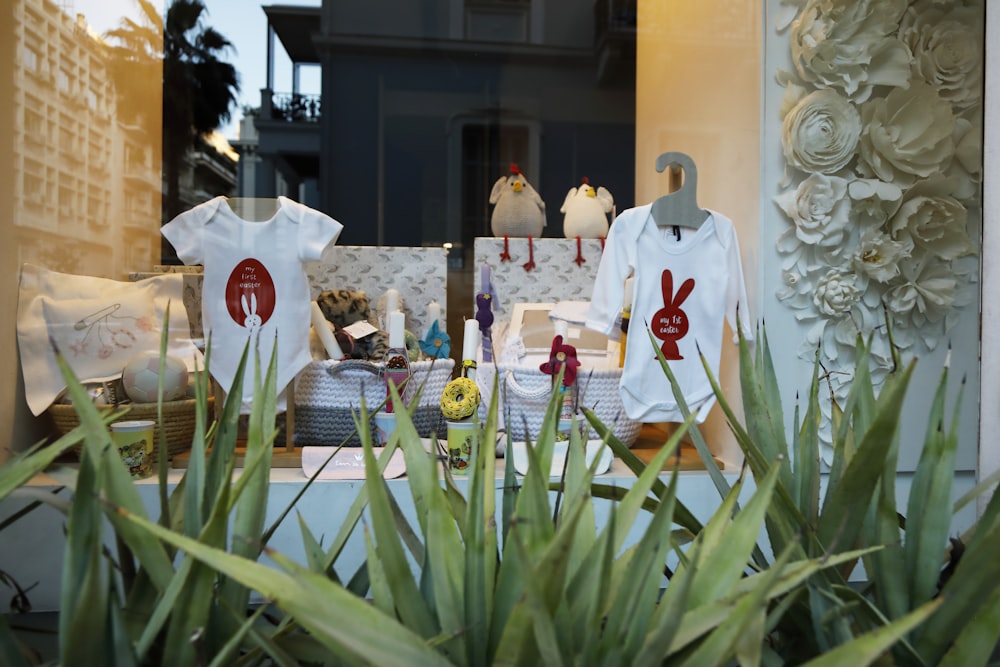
(574, 312)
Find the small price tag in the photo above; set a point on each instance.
(360, 329)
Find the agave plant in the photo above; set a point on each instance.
(521, 575)
(853, 507)
(142, 605)
(535, 580)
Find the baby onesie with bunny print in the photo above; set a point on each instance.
(685, 282)
(255, 287)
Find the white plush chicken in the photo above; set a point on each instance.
(518, 210)
(585, 211)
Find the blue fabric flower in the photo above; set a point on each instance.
(436, 344)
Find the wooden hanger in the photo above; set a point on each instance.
(680, 207)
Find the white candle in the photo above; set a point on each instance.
(560, 328)
(470, 341)
(391, 300)
(433, 314)
(629, 291)
(325, 335)
(396, 326)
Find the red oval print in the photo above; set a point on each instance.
(250, 294)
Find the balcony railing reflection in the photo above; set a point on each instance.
(295, 107)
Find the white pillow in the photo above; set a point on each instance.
(97, 324)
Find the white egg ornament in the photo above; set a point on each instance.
(142, 375)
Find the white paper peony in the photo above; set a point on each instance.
(850, 45)
(907, 135)
(932, 220)
(877, 256)
(926, 293)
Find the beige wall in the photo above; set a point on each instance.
(698, 81)
(8, 267)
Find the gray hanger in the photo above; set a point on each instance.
(680, 207)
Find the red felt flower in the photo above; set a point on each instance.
(559, 356)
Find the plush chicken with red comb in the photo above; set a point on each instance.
(517, 209)
(585, 211)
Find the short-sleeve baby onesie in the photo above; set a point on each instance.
(685, 284)
(255, 287)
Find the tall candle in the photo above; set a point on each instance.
(325, 335)
(433, 314)
(626, 317)
(484, 278)
(396, 326)
(629, 292)
(560, 328)
(391, 300)
(470, 341)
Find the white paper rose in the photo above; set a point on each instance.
(836, 293)
(907, 135)
(796, 292)
(820, 133)
(819, 208)
(932, 220)
(850, 45)
(877, 256)
(947, 46)
(925, 294)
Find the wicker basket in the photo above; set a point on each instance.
(178, 421)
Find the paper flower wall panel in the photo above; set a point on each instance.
(881, 124)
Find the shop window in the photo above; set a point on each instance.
(497, 20)
(30, 59)
(485, 147)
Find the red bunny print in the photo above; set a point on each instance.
(670, 323)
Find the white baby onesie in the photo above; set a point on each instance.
(683, 288)
(255, 285)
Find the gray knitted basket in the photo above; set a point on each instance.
(328, 396)
(525, 393)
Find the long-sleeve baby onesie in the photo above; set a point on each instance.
(685, 283)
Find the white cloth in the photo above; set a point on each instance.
(572, 312)
(683, 289)
(97, 324)
(255, 285)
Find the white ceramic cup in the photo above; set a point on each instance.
(134, 442)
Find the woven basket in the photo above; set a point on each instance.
(178, 421)
(525, 393)
(328, 395)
